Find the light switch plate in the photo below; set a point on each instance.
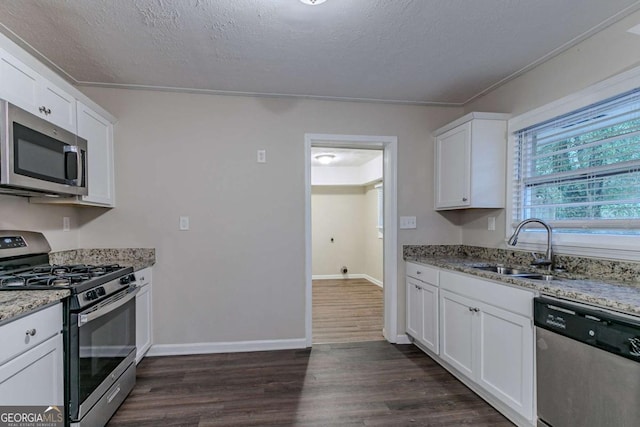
(407, 222)
(184, 223)
(262, 156)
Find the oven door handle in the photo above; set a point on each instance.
(83, 319)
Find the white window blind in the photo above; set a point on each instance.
(582, 170)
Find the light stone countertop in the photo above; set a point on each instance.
(138, 258)
(14, 303)
(619, 296)
(17, 303)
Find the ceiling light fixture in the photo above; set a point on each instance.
(313, 2)
(325, 158)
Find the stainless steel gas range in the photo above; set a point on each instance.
(99, 323)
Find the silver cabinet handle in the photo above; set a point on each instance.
(44, 110)
(418, 272)
(474, 309)
(31, 332)
(464, 199)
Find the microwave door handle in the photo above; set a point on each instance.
(75, 150)
(80, 167)
(84, 319)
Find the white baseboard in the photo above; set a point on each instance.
(372, 280)
(224, 347)
(403, 339)
(336, 276)
(346, 276)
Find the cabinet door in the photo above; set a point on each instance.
(143, 321)
(414, 309)
(19, 84)
(505, 352)
(98, 133)
(60, 106)
(458, 332)
(453, 164)
(429, 335)
(35, 377)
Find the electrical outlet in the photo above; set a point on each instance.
(66, 223)
(262, 156)
(184, 223)
(491, 226)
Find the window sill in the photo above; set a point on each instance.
(586, 245)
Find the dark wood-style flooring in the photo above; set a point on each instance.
(347, 384)
(347, 310)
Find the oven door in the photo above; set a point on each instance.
(102, 346)
(37, 155)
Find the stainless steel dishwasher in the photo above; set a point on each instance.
(588, 366)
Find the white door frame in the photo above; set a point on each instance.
(389, 145)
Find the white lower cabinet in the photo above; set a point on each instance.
(144, 313)
(505, 357)
(458, 330)
(486, 337)
(422, 305)
(31, 365)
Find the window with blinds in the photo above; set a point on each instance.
(581, 171)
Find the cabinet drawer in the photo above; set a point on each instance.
(512, 299)
(44, 324)
(143, 276)
(420, 272)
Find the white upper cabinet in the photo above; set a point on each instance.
(18, 83)
(58, 106)
(470, 162)
(98, 132)
(34, 92)
(24, 87)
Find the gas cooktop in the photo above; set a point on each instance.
(76, 277)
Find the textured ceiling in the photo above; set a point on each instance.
(417, 51)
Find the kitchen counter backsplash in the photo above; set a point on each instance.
(619, 271)
(138, 258)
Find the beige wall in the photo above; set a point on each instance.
(373, 245)
(238, 274)
(603, 55)
(337, 212)
(16, 213)
(349, 215)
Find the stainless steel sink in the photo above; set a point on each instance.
(536, 276)
(515, 272)
(507, 271)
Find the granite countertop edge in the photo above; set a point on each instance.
(138, 258)
(621, 297)
(16, 303)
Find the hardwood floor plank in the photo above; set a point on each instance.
(353, 384)
(347, 310)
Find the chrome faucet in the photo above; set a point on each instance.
(548, 261)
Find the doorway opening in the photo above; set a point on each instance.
(347, 222)
(317, 144)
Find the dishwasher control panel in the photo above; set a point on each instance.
(592, 326)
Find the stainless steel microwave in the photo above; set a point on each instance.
(39, 158)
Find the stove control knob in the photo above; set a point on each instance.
(125, 280)
(100, 291)
(91, 295)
